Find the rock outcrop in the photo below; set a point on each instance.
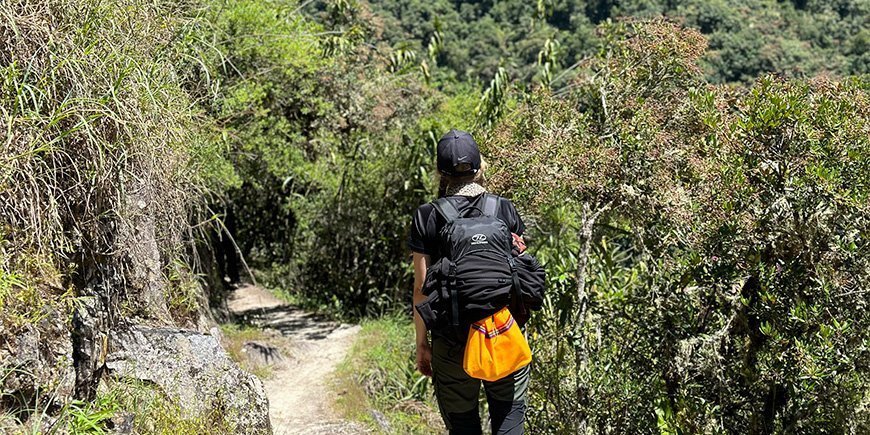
(37, 363)
(194, 371)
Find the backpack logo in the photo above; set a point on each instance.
(478, 239)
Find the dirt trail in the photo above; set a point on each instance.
(300, 401)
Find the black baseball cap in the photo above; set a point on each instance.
(458, 154)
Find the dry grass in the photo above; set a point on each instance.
(87, 126)
(104, 163)
(102, 144)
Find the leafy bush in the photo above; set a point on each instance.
(719, 242)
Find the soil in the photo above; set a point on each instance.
(300, 399)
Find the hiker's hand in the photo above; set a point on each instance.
(519, 245)
(424, 359)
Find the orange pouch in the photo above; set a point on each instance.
(495, 348)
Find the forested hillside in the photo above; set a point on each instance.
(694, 175)
(747, 38)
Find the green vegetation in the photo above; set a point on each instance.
(143, 407)
(106, 161)
(322, 140)
(473, 39)
(379, 375)
(23, 302)
(103, 146)
(149, 410)
(716, 244)
(93, 417)
(707, 243)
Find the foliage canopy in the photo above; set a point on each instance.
(747, 38)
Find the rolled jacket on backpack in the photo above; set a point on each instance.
(434, 309)
(533, 281)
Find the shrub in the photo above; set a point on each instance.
(718, 239)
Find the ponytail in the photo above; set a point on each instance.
(442, 186)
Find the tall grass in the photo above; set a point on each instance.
(378, 376)
(105, 163)
(102, 142)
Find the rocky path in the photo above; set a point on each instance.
(300, 401)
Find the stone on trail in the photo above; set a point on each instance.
(194, 371)
(123, 423)
(261, 354)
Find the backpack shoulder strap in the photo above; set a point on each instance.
(446, 209)
(490, 205)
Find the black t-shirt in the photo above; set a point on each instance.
(423, 237)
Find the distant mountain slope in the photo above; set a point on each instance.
(747, 38)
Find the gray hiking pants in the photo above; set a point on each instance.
(458, 394)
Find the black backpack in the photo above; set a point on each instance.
(476, 274)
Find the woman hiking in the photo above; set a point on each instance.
(461, 171)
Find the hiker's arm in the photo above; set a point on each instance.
(421, 262)
(424, 352)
